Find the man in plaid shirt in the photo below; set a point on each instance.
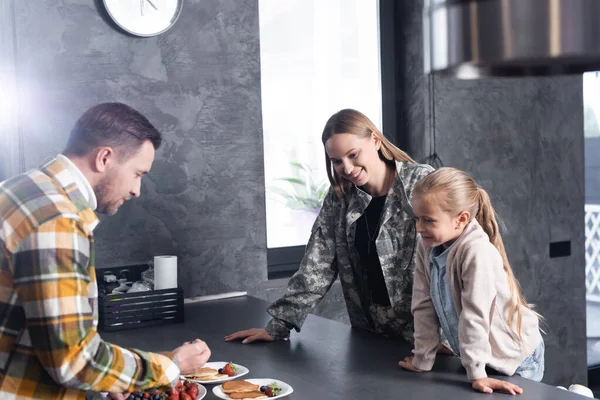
(49, 344)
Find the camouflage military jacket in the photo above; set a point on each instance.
(330, 253)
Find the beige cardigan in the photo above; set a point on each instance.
(481, 296)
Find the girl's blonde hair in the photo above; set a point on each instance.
(454, 191)
(356, 123)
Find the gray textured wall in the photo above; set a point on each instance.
(522, 139)
(199, 84)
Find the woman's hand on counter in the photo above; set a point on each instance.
(250, 335)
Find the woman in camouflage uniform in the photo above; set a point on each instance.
(365, 234)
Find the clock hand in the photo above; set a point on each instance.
(152, 4)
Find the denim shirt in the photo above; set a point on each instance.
(441, 296)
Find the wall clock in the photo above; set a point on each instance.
(144, 18)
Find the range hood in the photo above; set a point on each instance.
(474, 38)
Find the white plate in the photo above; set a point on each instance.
(286, 389)
(240, 371)
(201, 392)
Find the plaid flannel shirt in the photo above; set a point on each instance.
(49, 344)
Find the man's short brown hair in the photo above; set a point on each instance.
(111, 124)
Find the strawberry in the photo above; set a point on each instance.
(193, 392)
(146, 395)
(272, 390)
(184, 396)
(229, 369)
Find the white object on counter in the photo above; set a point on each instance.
(582, 390)
(123, 288)
(165, 272)
(211, 297)
(139, 287)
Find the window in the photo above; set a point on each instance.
(317, 57)
(591, 115)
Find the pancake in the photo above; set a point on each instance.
(206, 374)
(239, 387)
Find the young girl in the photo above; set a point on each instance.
(464, 284)
(365, 234)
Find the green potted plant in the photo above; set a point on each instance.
(299, 191)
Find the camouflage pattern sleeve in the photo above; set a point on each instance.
(317, 272)
(278, 329)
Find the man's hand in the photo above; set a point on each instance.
(118, 396)
(192, 356)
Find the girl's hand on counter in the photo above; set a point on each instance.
(407, 364)
(488, 385)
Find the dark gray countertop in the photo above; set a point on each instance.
(327, 360)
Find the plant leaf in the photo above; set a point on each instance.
(302, 166)
(296, 181)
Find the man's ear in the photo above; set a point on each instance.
(103, 158)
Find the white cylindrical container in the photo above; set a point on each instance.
(165, 272)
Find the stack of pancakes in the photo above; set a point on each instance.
(207, 374)
(242, 390)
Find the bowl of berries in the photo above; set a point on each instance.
(184, 390)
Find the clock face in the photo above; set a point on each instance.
(144, 17)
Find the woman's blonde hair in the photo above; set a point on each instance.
(454, 191)
(356, 123)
